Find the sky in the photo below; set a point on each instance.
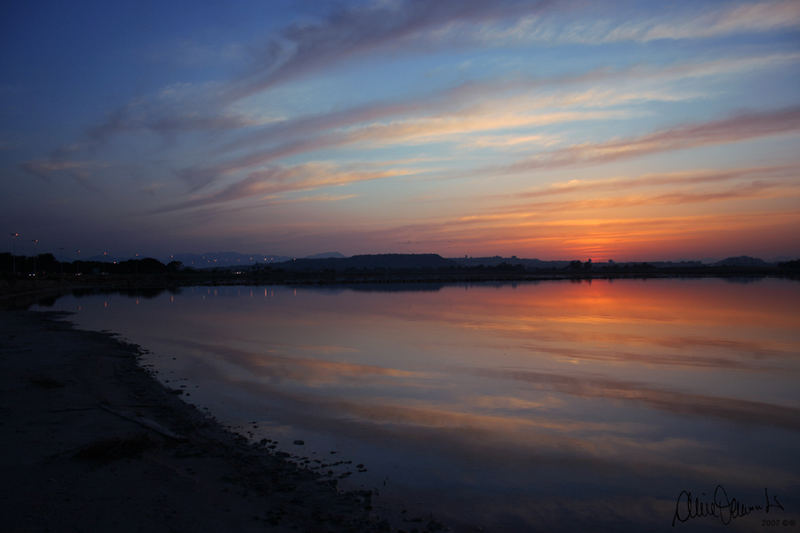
(541, 129)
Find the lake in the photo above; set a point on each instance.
(552, 406)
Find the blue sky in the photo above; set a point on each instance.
(625, 130)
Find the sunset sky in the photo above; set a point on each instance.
(551, 130)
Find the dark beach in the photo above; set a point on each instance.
(92, 442)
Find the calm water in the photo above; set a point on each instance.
(550, 406)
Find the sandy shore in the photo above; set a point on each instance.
(91, 442)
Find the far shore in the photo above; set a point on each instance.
(20, 274)
(92, 442)
(22, 290)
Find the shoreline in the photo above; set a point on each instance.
(51, 283)
(22, 293)
(92, 441)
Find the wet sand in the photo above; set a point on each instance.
(90, 441)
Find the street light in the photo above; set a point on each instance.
(35, 256)
(14, 236)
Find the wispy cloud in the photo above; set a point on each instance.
(412, 132)
(317, 198)
(176, 108)
(454, 99)
(510, 141)
(453, 113)
(544, 210)
(742, 18)
(464, 109)
(739, 127)
(78, 171)
(595, 27)
(265, 184)
(650, 180)
(346, 32)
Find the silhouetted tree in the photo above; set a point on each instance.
(47, 263)
(148, 265)
(174, 266)
(790, 265)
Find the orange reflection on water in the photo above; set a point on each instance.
(651, 382)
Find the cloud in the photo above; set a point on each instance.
(743, 18)
(739, 127)
(544, 210)
(348, 31)
(470, 107)
(594, 27)
(199, 177)
(445, 127)
(649, 180)
(511, 141)
(79, 171)
(410, 132)
(448, 114)
(177, 108)
(317, 198)
(453, 99)
(279, 179)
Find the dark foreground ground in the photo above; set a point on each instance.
(89, 441)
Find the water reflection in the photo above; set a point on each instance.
(550, 406)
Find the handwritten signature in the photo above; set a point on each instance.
(720, 506)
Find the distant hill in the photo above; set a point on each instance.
(531, 264)
(369, 262)
(676, 264)
(741, 261)
(326, 255)
(226, 259)
(337, 261)
(101, 258)
(229, 259)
